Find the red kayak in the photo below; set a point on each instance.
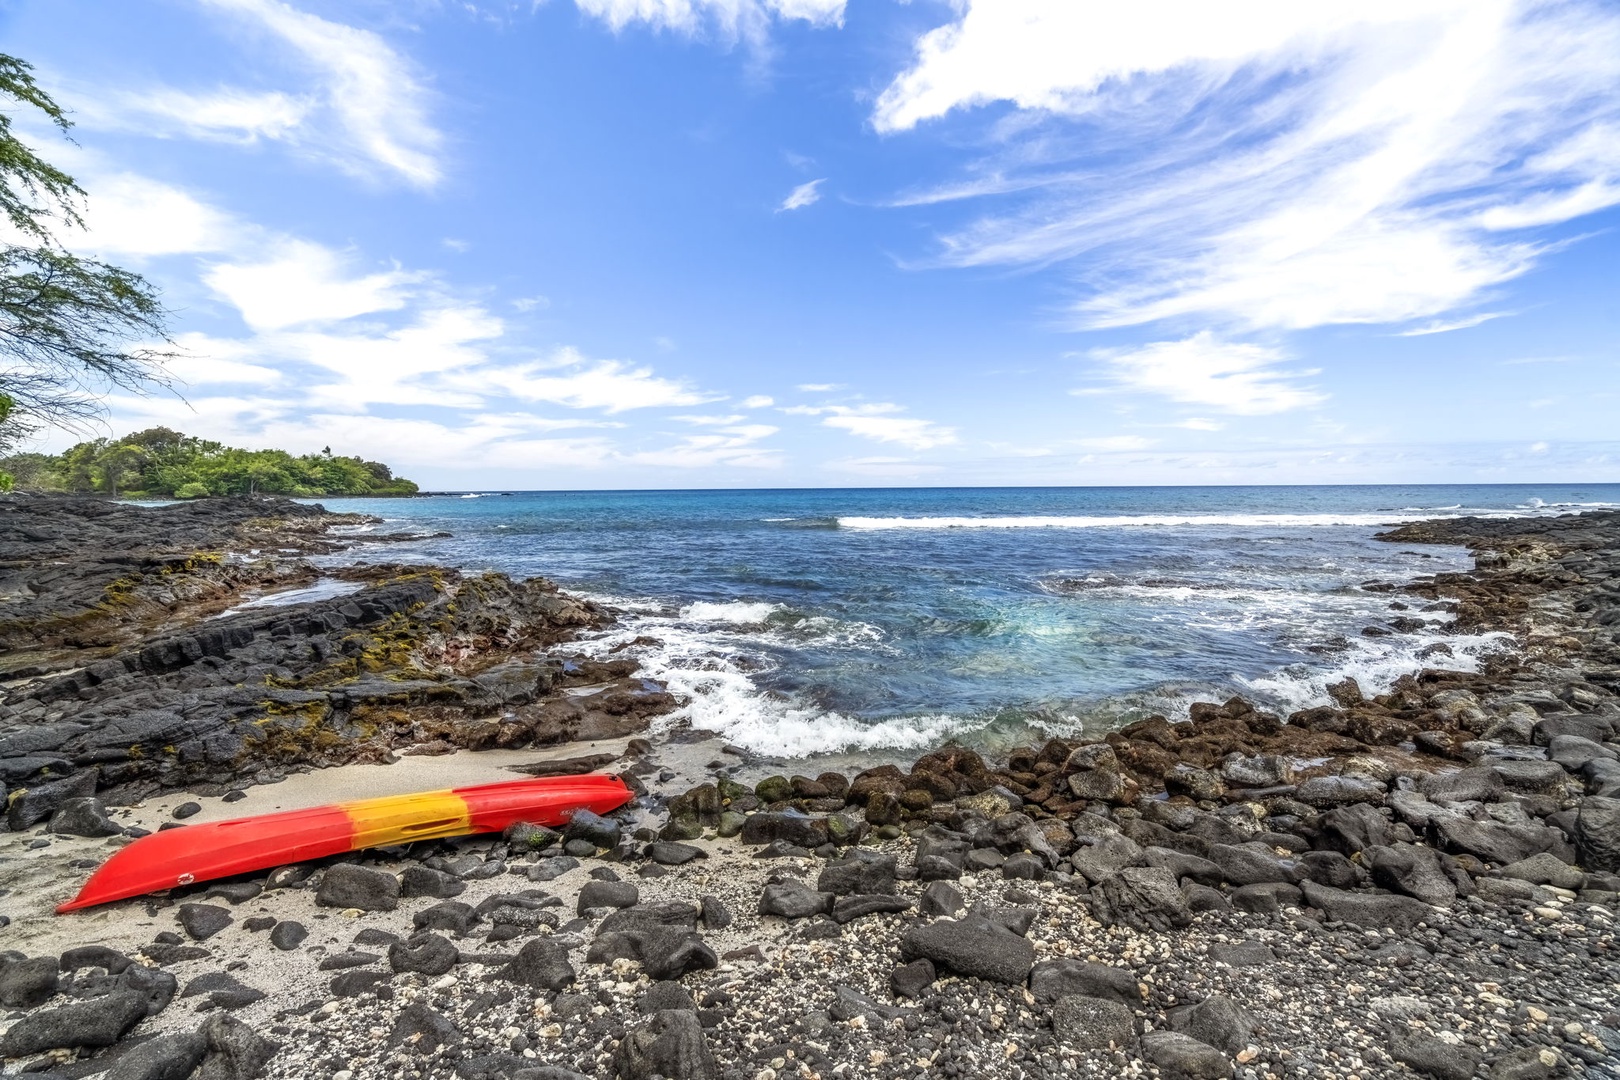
(217, 849)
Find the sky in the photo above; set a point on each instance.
(775, 243)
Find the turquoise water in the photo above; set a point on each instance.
(806, 621)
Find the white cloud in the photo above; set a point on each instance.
(1199, 423)
(569, 378)
(818, 387)
(885, 466)
(877, 421)
(806, 194)
(1203, 370)
(304, 282)
(532, 303)
(732, 20)
(364, 108)
(1274, 164)
(732, 446)
(224, 114)
(757, 401)
(132, 215)
(1445, 326)
(1117, 443)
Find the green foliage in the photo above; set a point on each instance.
(163, 463)
(70, 328)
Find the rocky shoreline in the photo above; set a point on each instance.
(1417, 882)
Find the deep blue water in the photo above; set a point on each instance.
(802, 621)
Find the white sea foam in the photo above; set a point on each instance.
(735, 613)
(1375, 664)
(1278, 521)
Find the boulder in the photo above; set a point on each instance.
(425, 953)
(27, 983)
(972, 946)
(422, 1030)
(167, 1057)
(1184, 1058)
(1218, 1021)
(1142, 898)
(346, 885)
(794, 900)
(83, 817)
(541, 964)
(235, 1050)
(1088, 1023)
(1053, 979)
(96, 1022)
(1369, 910)
(912, 980)
(1597, 834)
(670, 1045)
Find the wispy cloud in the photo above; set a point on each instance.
(354, 101)
(1277, 165)
(1445, 326)
(730, 20)
(806, 194)
(879, 421)
(1116, 443)
(569, 378)
(1204, 370)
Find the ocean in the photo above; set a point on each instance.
(805, 622)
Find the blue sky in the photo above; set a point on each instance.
(691, 243)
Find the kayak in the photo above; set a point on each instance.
(193, 853)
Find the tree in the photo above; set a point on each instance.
(70, 328)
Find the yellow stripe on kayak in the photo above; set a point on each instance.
(401, 819)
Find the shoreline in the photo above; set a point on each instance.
(1432, 870)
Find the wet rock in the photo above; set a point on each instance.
(288, 935)
(349, 886)
(1088, 1023)
(1053, 979)
(971, 946)
(670, 1045)
(27, 983)
(422, 1030)
(607, 894)
(1183, 1057)
(203, 921)
(425, 953)
(425, 881)
(540, 965)
(794, 900)
(83, 817)
(1142, 898)
(167, 1057)
(99, 1021)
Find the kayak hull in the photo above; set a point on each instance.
(178, 857)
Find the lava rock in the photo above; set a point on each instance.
(1184, 1057)
(912, 980)
(794, 900)
(287, 935)
(349, 886)
(1218, 1021)
(670, 853)
(859, 872)
(540, 965)
(426, 953)
(971, 946)
(83, 817)
(27, 983)
(203, 921)
(598, 831)
(423, 1030)
(670, 1045)
(1064, 977)
(1370, 910)
(167, 1057)
(1088, 1023)
(425, 881)
(1142, 898)
(1433, 1057)
(607, 894)
(849, 908)
(99, 1021)
(452, 915)
(1597, 833)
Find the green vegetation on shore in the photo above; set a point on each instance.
(165, 464)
